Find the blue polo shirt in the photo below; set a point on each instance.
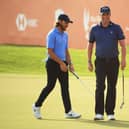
(106, 39)
(58, 41)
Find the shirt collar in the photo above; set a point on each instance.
(110, 24)
(56, 30)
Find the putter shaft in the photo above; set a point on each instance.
(82, 83)
(122, 104)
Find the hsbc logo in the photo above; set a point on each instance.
(22, 22)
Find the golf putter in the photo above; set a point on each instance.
(82, 83)
(122, 104)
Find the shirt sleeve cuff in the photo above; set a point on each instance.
(91, 41)
(121, 38)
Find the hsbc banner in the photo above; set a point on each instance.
(28, 22)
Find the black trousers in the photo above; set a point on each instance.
(53, 73)
(106, 68)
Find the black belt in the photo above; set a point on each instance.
(106, 58)
(49, 59)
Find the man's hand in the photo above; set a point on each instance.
(123, 64)
(90, 66)
(71, 68)
(63, 67)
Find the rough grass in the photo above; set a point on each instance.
(30, 60)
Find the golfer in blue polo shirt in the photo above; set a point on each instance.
(57, 65)
(106, 35)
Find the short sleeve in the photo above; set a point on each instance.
(91, 36)
(120, 33)
(50, 40)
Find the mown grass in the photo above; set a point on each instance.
(30, 60)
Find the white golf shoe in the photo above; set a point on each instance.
(98, 117)
(72, 115)
(36, 112)
(111, 117)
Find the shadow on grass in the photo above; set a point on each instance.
(116, 123)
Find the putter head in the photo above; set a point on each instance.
(121, 106)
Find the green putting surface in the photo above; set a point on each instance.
(18, 92)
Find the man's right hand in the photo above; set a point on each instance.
(63, 67)
(90, 66)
